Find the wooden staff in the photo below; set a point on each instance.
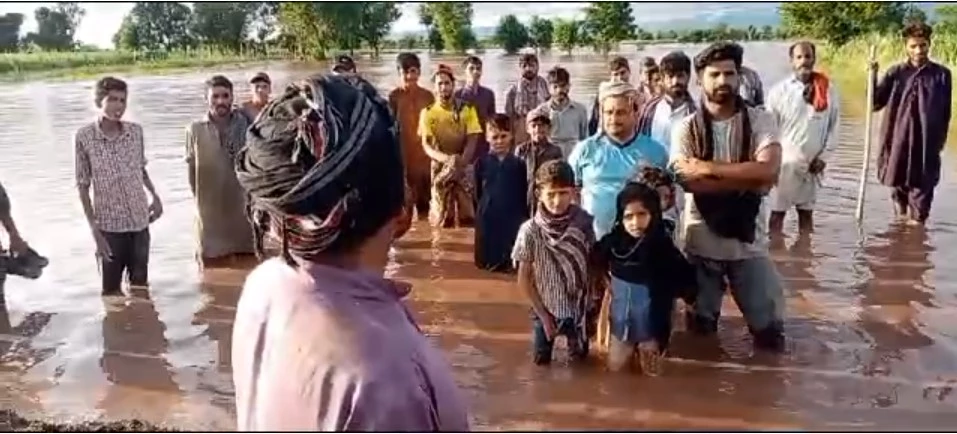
(868, 115)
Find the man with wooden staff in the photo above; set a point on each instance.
(917, 98)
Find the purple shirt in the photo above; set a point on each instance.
(326, 349)
(484, 101)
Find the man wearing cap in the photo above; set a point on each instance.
(536, 151)
(619, 70)
(261, 89)
(604, 162)
(322, 341)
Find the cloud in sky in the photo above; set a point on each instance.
(103, 19)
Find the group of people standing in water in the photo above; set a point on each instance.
(659, 194)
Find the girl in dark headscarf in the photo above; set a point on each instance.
(321, 340)
(647, 273)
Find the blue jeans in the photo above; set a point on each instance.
(755, 285)
(569, 328)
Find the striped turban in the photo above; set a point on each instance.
(322, 167)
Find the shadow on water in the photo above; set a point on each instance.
(870, 311)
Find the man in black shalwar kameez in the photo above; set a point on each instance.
(917, 97)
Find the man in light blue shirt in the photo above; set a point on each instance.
(604, 162)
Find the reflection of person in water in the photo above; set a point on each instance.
(134, 346)
(898, 265)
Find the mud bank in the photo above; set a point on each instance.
(11, 421)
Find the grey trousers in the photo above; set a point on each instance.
(755, 285)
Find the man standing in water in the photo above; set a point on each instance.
(917, 97)
(450, 130)
(806, 109)
(407, 102)
(650, 83)
(322, 341)
(522, 97)
(262, 88)
(224, 233)
(660, 113)
(568, 118)
(619, 71)
(111, 158)
(727, 156)
(481, 97)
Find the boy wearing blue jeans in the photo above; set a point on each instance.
(552, 251)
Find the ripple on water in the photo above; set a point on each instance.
(872, 342)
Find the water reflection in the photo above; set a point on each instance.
(134, 350)
(855, 340)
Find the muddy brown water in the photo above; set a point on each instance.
(870, 310)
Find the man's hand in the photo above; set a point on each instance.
(156, 209)
(872, 66)
(550, 326)
(102, 247)
(17, 244)
(691, 169)
(816, 166)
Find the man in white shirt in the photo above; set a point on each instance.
(727, 156)
(806, 109)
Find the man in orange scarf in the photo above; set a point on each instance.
(805, 106)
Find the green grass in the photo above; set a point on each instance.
(847, 66)
(22, 66)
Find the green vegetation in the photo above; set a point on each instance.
(848, 34)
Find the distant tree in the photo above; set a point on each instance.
(434, 38)
(946, 19)
(839, 22)
(511, 34)
(376, 21)
(56, 27)
(568, 34)
(608, 23)
(540, 33)
(10, 24)
(155, 26)
(222, 24)
(454, 21)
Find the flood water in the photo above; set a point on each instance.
(872, 341)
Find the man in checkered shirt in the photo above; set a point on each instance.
(110, 158)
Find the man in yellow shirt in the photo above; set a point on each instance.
(450, 131)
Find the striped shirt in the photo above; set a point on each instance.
(552, 263)
(114, 166)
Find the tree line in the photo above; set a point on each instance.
(312, 29)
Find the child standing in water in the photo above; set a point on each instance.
(500, 186)
(552, 251)
(536, 151)
(647, 273)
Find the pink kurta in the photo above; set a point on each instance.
(328, 349)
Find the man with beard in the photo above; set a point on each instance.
(917, 98)
(604, 162)
(618, 70)
(522, 97)
(805, 106)
(568, 118)
(261, 89)
(450, 130)
(660, 113)
(727, 156)
(224, 234)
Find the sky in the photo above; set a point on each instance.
(103, 19)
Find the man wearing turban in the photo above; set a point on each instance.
(322, 341)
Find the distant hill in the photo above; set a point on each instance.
(732, 14)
